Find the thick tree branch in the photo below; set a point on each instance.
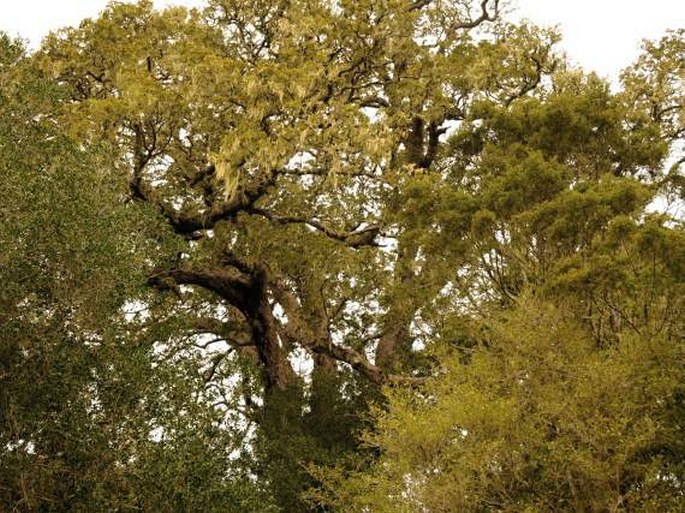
(374, 102)
(485, 13)
(188, 223)
(354, 239)
(300, 331)
(228, 283)
(201, 174)
(434, 133)
(528, 84)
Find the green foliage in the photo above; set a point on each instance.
(563, 390)
(80, 397)
(232, 231)
(536, 418)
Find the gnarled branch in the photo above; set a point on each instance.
(228, 283)
(354, 239)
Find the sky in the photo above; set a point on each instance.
(600, 35)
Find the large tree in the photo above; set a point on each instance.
(294, 150)
(284, 144)
(332, 189)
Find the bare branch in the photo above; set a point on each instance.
(528, 85)
(298, 330)
(354, 239)
(485, 15)
(209, 373)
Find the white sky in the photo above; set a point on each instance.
(601, 35)
(605, 35)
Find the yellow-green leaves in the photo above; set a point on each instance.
(537, 417)
(392, 190)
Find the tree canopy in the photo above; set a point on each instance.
(338, 256)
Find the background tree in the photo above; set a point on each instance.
(92, 418)
(561, 382)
